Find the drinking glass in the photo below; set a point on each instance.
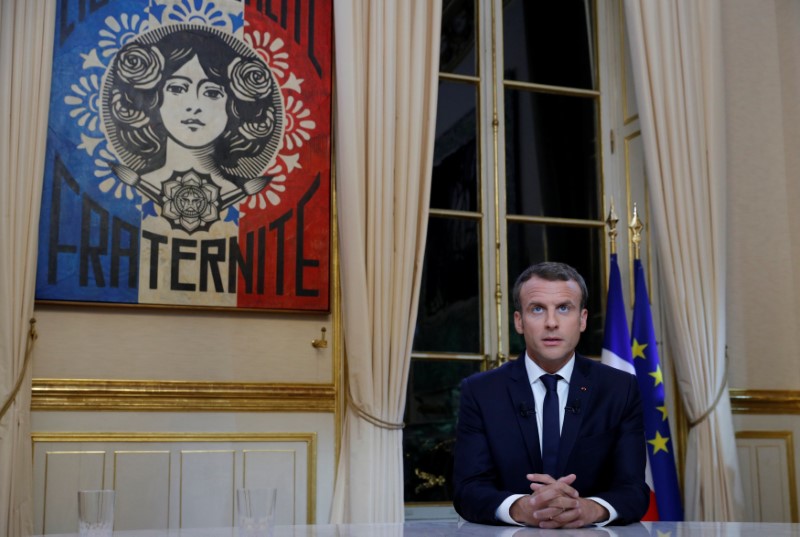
(95, 513)
(256, 511)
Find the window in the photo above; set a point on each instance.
(523, 157)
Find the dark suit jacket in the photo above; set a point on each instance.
(602, 440)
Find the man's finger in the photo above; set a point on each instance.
(560, 487)
(541, 478)
(568, 479)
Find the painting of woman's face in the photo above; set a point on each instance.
(193, 107)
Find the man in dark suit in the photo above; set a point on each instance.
(508, 469)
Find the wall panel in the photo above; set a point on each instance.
(207, 488)
(766, 424)
(171, 480)
(135, 471)
(66, 472)
(766, 459)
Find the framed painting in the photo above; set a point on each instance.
(189, 155)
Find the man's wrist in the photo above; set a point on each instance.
(608, 513)
(503, 513)
(602, 515)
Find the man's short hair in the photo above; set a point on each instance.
(552, 272)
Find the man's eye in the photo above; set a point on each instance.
(563, 309)
(537, 309)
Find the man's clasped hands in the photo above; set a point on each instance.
(555, 504)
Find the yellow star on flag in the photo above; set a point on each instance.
(657, 375)
(663, 410)
(660, 533)
(659, 443)
(638, 350)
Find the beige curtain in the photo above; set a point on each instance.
(26, 48)
(676, 48)
(387, 59)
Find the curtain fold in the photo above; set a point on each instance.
(26, 48)
(387, 59)
(676, 50)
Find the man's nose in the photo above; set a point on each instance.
(550, 319)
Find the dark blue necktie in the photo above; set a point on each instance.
(551, 430)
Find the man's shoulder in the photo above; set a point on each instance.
(497, 374)
(603, 371)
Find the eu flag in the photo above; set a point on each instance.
(660, 447)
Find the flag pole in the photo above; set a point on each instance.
(611, 222)
(636, 227)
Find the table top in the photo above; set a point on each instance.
(452, 528)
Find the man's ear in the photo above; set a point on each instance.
(518, 322)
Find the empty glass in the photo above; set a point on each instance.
(256, 511)
(95, 513)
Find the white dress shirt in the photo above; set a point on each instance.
(503, 511)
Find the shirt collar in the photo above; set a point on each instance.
(534, 371)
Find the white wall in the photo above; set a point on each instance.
(762, 71)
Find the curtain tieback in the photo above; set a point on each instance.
(32, 335)
(374, 420)
(709, 410)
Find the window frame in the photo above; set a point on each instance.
(617, 126)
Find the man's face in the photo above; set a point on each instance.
(551, 321)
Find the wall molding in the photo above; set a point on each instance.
(765, 401)
(137, 395)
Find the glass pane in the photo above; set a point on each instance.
(429, 435)
(549, 42)
(580, 247)
(455, 153)
(449, 314)
(552, 166)
(457, 44)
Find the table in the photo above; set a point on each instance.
(451, 528)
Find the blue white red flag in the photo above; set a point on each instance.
(616, 338)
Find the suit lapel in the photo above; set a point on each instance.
(580, 391)
(519, 390)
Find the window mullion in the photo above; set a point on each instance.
(492, 189)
